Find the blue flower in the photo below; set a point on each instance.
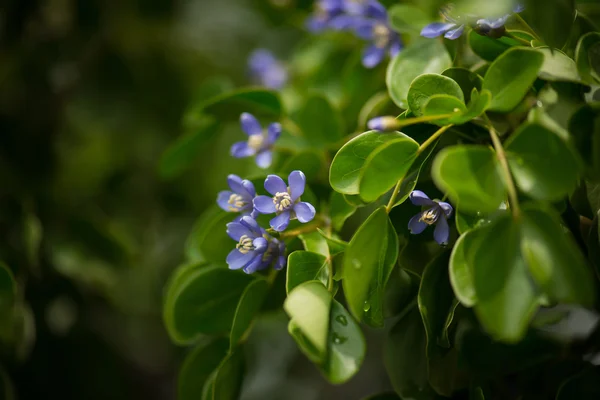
(326, 11)
(383, 39)
(285, 201)
(455, 25)
(239, 198)
(266, 70)
(365, 8)
(382, 124)
(436, 214)
(260, 142)
(256, 249)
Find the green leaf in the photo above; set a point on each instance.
(510, 76)
(409, 181)
(587, 48)
(461, 274)
(346, 167)
(227, 383)
(542, 164)
(248, 307)
(340, 210)
(471, 177)
(203, 301)
(584, 129)
(185, 149)
(488, 48)
(198, 367)
(406, 18)
(386, 165)
(346, 346)
(424, 56)
(405, 359)
(7, 390)
(315, 242)
(466, 79)
(208, 240)
(336, 246)
(304, 266)
(427, 85)
(368, 262)
(558, 66)
(582, 386)
(443, 104)
(436, 302)
(546, 21)
(467, 221)
(320, 122)
(230, 105)
(554, 259)
(308, 305)
(506, 298)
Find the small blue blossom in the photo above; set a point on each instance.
(326, 11)
(255, 250)
(239, 198)
(285, 201)
(454, 25)
(260, 142)
(365, 8)
(436, 214)
(382, 124)
(266, 70)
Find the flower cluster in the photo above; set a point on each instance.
(454, 24)
(266, 70)
(367, 19)
(256, 248)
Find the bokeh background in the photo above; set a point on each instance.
(92, 92)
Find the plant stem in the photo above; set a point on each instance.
(330, 277)
(518, 39)
(501, 155)
(422, 147)
(308, 228)
(529, 28)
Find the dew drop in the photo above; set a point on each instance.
(339, 339)
(356, 263)
(366, 306)
(342, 320)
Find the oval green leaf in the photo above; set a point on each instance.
(510, 76)
(558, 66)
(427, 85)
(230, 105)
(304, 266)
(587, 48)
(198, 367)
(320, 122)
(227, 383)
(248, 307)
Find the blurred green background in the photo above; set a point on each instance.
(91, 94)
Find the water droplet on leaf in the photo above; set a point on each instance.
(338, 339)
(342, 320)
(366, 306)
(356, 263)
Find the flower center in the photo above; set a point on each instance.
(381, 35)
(430, 216)
(282, 201)
(245, 245)
(256, 141)
(236, 202)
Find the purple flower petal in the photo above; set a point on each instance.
(436, 29)
(415, 225)
(223, 200)
(441, 234)
(280, 222)
(251, 224)
(395, 48)
(455, 33)
(237, 260)
(519, 8)
(297, 181)
(236, 230)
(316, 24)
(235, 183)
(260, 59)
(364, 29)
(264, 159)
(372, 56)
(446, 207)
(249, 188)
(305, 212)
(281, 262)
(274, 185)
(418, 198)
(260, 244)
(273, 133)
(253, 265)
(250, 124)
(264, 204)
(376, 10)
(344, 22)
(241, 150)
